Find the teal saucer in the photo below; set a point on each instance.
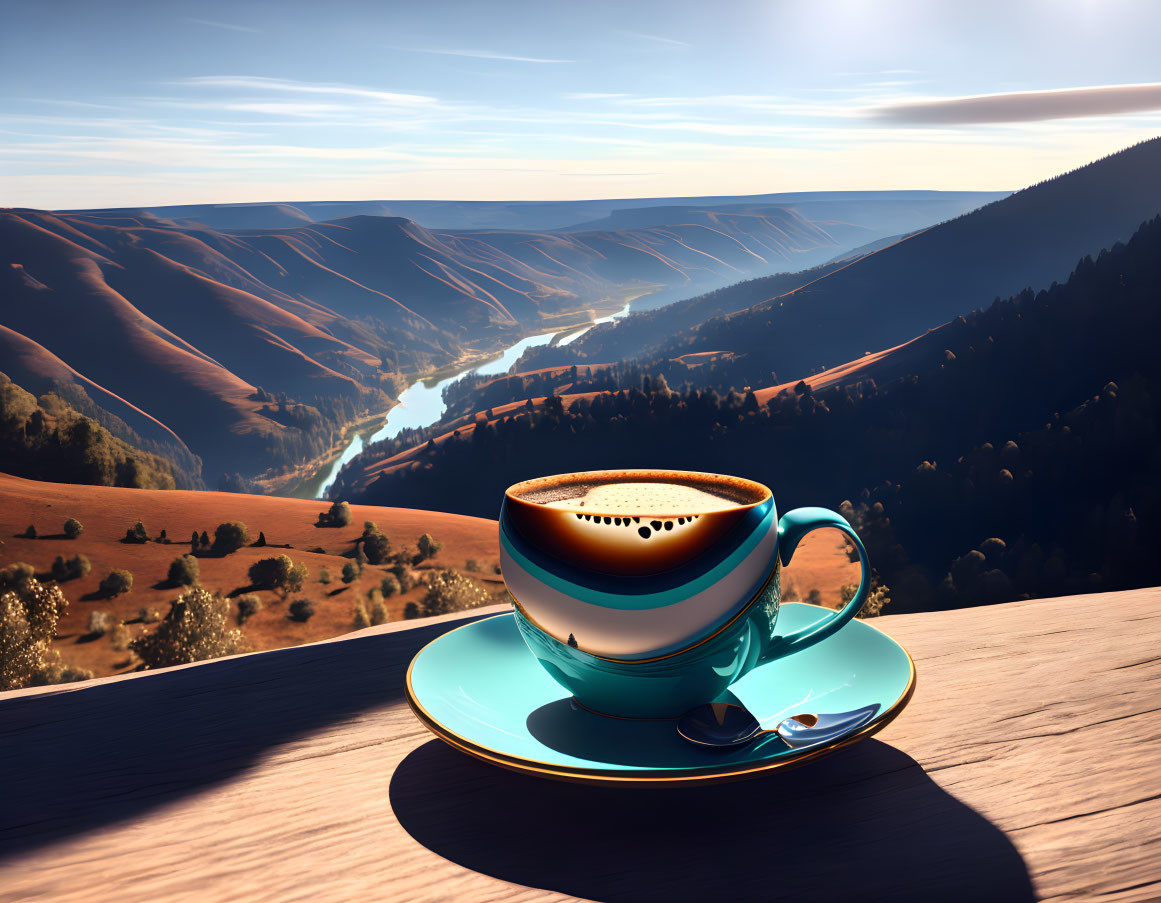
(480, 689)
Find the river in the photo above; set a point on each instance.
(421, 404)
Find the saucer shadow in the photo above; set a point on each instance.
(863, 824)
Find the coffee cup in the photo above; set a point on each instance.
(647, 592)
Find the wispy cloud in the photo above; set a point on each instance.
(656, 38)
(485, 55)
(226, 25)
(261, 83)
(1023, 106)
(593, 95)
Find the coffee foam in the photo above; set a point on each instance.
(638, 497)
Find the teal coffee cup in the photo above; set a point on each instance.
(645, 593)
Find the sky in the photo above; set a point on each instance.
(156, 102)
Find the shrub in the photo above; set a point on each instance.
(324, 576)
(16, 574)
(229, 537)
(389, 585)
(448, 591)
(472, 566)
(54, 671)
(30, 533)
(350, 572)
(73, 528)
(70, 568)
(28, 619)
(184, 571)
(193, 630)
(136, 534)
(375, 545)
(339, 515)
(877, 596)
(148, 615)
(410, 611)
(248, 606)
(301, 610)
(428, 547)
(278, 573)
(362, 619)
(119, 581)
(496, 569)
(261, 543)
(814, 597)
(204, 540)
(120, 637)
(98, 623)
(378, 612)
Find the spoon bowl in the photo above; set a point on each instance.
(726, 725)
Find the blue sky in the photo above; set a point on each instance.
(134, 103)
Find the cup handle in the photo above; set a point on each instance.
(791, 528)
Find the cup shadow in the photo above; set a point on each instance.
(866, 823)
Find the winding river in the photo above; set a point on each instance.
(421, 404)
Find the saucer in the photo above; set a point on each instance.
(480, 689)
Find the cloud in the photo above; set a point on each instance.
(593, 95)
(260, 83)
(226, 25)
(1023, 106)
(657, 38)
(486, 55)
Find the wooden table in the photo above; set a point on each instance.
(1027, 765)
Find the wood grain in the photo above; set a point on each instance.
(1025, 767)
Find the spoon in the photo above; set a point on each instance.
(724, 725)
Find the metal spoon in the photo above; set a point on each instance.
(723, 725)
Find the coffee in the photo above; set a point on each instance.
(626, 494)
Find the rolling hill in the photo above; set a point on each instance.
(252, 346)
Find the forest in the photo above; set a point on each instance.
(1024, 463)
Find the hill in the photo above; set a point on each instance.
(883, 211)
(288, 524)
(1030, 238)
(1028, 431)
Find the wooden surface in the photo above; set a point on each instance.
(1027, 765)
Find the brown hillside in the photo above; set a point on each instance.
(107, 513)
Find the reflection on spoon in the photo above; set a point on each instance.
(723, 725)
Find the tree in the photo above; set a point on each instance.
(375, 545)
(261, 543)
(193, 630)
(389, 585)
(350, 572)
(28, 619)
(73, 528)
(339, 515)
(324, 576)
(136, 534)
(301, 610)
(30, 533)
(428, 547)
(378, 612)
(15, 575)
(362, 619)
(229, 537)
(295, 579)
(194, 542)
(70, 568)
(98, 623)
(248, 606)
(184, 571)
(449, 591)
(204, 541)
(117, 582)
